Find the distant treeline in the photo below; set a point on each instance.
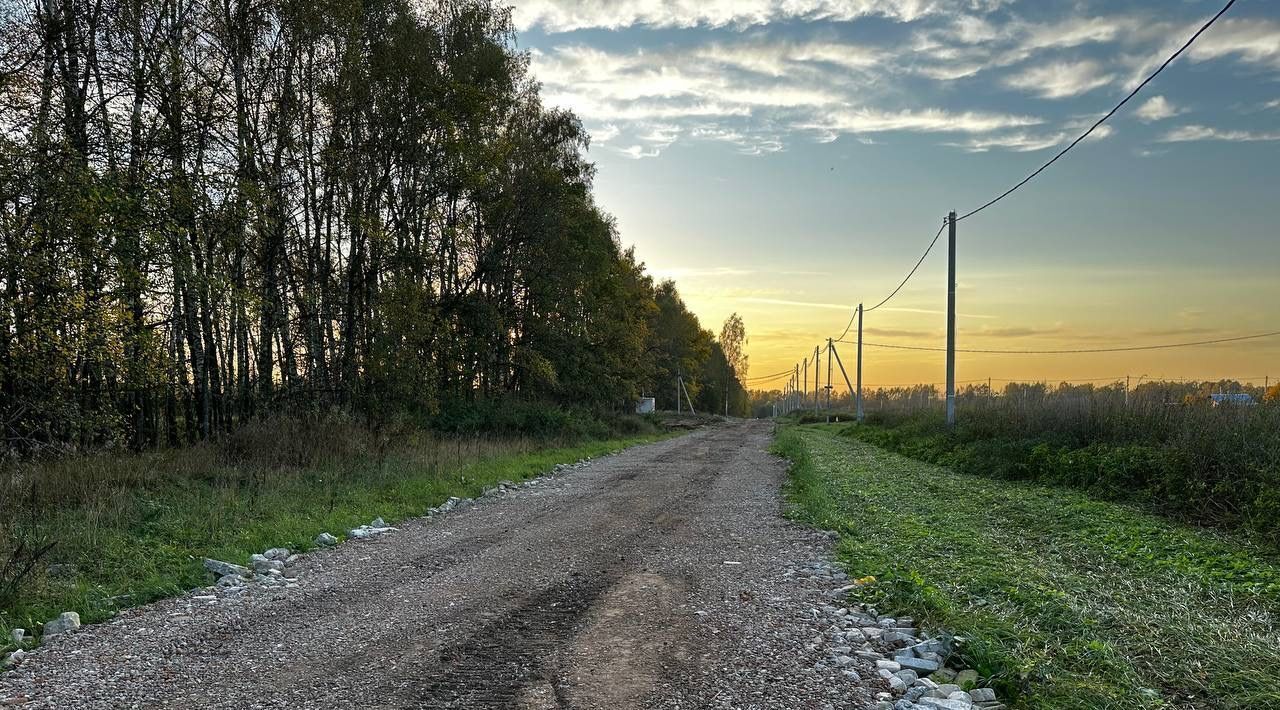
(930, 396)
(214, 209)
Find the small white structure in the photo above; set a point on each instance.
(1239, 398)
(646, 405)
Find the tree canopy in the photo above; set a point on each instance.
(211, 209)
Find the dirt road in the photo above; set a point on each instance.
(661, 577)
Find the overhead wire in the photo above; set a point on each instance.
(1132, 348)
(1138, 89)
(905, 280)
(768, 377)
(1109, 114)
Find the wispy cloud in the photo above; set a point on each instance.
(1017, 331)
(637, 152)
(1252, 40)
(1025, 142)
(799, 304)
(773, 72)
(1187, 134)
(1060, 80)
(680, 272)
(569, 15)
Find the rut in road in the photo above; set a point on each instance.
(654, 578)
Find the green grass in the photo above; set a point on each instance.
(1067, 602)
(136, 527)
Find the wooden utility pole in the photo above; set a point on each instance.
(951, 319)
(817, 377)
(859, 362)
(795, 391)
(830, 349)
(804, 391)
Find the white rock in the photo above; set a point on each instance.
(378, 523)
(13, 660)
(277, 553)
(223, 569)
(264, 566)
(66, 621)
(982, 695)
(324, 539)
(18, 635)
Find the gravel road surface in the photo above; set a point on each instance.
(660, 577)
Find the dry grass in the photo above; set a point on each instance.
(135, 526)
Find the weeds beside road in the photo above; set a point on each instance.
(1194, 462)
(129, 529)
(1067, 602)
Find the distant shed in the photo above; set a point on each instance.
(646, 405)
(1238, 398)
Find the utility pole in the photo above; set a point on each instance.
(686, 396)
(804, 392)
(951, 319)
(830, 350)
(795, 392)
(817, 377)
(677, 392)
(859, 362)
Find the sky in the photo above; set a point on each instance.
(788, 159)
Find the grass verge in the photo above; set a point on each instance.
(128, 530)
(1067, 602)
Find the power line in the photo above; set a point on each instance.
(904, 281)
(1064, 380)
(774, 376)
(1133, 348)
(1110, 113)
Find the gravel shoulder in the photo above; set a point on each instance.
(660, 577)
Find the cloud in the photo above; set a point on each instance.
(1255, 40)
(605, 133)
(568, 15)
(680, 272)
(1060, 80)
(1024, 142)
(898, 333)
(752, 94)
(1156, 108)
(929, 120)
(756, 87)
(1190, 133)
(799, 304)
(1017, 331)
(1170, 332)
(930, 311)
(637, 152)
